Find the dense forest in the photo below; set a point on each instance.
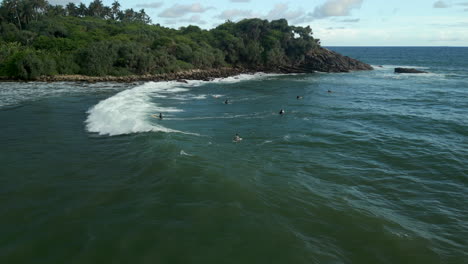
(37, 39)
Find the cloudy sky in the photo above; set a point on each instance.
(335, 22)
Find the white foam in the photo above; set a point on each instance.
(380, 67)
(15, 93)
(130, 111)
(127, 112)
(183, 153)
(265, 142)
(246, 116)
(190, 97)
(388, 72)
(392, 67)
(200, 97)
(245, 77)
(404, 76)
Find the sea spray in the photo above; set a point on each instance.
(129, 111)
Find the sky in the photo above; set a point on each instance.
(334, 22)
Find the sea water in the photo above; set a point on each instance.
(368, 167)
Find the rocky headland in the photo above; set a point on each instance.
(325, 60)
(318, 60)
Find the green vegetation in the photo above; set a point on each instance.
(37, 39)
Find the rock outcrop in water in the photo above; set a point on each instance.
(324, 60)
(408, 70)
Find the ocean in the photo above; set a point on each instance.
(374, 171)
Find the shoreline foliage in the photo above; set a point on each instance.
(40, 39)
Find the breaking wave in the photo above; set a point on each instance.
(127, 112)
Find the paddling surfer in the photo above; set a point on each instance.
(237, 138)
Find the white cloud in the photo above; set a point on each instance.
(278, 12)
(181, 10)
(351, 20)
(150, 5)
(336, 8)
(63, 2)
(464, 4)
(236, 13)
(440, 4)
(282, 11)
(397, 31)
(195, 19)
(170, 22)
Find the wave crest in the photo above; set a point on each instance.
(129, 111)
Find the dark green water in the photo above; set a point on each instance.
(374, 172)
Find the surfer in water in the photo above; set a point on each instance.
(237, 138)
(226, 102)
(329, 91)
(281, 112)
(160, 116)
(299, 97)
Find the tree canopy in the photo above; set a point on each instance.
(37, 38)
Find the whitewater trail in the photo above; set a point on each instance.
(127, 112)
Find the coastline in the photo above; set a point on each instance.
(321, 60)
(195, 74)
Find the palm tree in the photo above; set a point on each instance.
(72, 10)
(82, 10)
(129, 14)
(115, 10)
(96, 8)
(143, 17)
(56, 10)
(38, 7)
(26, 11)
(12, 12)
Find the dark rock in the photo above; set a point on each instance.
(408, 70)
(324, 60)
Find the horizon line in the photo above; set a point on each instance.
(396, 46)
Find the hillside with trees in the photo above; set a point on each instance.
(40, 39)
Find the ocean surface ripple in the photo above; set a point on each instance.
(374, 171)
